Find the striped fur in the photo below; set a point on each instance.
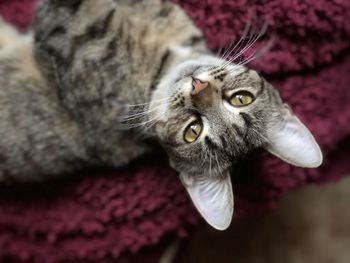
(96, 72)
(88, 61)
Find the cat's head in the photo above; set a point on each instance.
(208, 113)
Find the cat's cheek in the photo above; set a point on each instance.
(160, 129)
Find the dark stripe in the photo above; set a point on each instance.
(214, 68)
(241, 134)
(165, 11)
(242, 73)
(238, 131)
(143, 32)
(162, 64)
(223, 141)
(100, 85)
(247, 119)
(111, 51)
(3, 158)
(221, 76)
(248, 124)
(216, 71)
(56, 31)
(53, 53)
(210, 144)
(225, 152)
(95, 31)
(106, 22)
(72, 5)
(129, 44)
(57, 78)
(193, 41)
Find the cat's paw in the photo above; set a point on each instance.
(8, 34)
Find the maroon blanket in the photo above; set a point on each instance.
(106, 213)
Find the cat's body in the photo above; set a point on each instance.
(48, 129)
(37, 135)
(101, 78)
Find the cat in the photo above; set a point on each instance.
(98, 82)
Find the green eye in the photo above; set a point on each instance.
(241, 98)
(193, 131)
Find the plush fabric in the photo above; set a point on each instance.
(97, 215)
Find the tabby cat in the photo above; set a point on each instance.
(101, 81)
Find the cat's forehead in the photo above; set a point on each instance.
(229, 75)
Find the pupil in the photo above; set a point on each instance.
(194, 131)
(240, 98)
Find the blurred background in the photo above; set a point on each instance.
(311, 224)
(282, 213)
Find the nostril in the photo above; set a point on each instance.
(198, 86)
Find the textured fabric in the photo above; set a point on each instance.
(102, 214)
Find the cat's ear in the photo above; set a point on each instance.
(291, 141)
(213, 198)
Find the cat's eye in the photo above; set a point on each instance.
(241, 98)
(193, 131)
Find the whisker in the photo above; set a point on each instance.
(218, 164)
(237, 46)
(147, 103)
(232, 54)
(210, 165)
(257, 54)
(243, 37)
(205, 158)
(136, 115)
(241, 41)
(251, 42)
(135, 125)
(140, 114)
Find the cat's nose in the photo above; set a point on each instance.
(198, 86)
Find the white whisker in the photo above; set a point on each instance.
(209, 164)
(240, 42)
(257, 54)
(142, 113)
(148, 103)
(237, 46)
(250, 43)
(205, 158)
(237, 51)
(218, 164)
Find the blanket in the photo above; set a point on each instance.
(104, 214)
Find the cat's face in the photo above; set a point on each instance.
(209, 113)
(212, 115)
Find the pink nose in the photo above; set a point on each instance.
(198, 86)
